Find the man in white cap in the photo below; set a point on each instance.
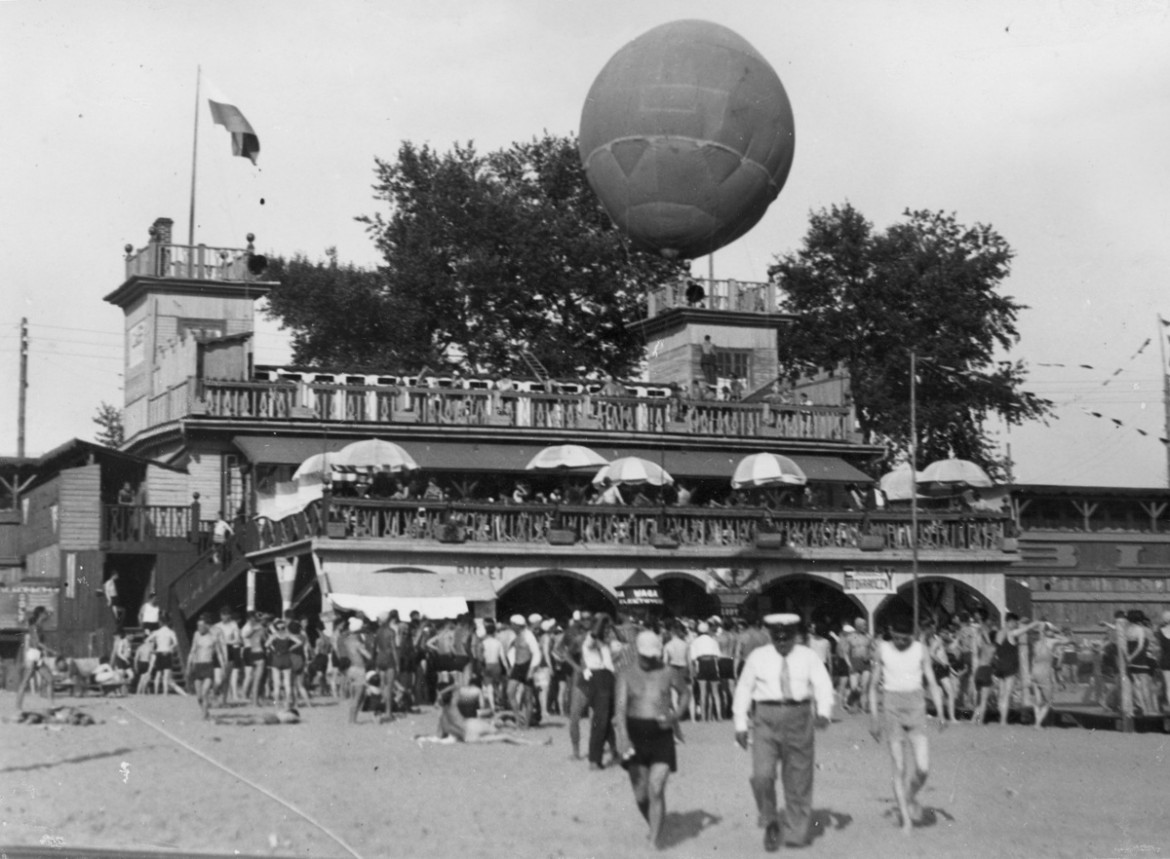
(790, 690)
(645, 720)
(703, 656)
(523, 660)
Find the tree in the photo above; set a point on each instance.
(863, 300)
(484, 257)
(112, 432)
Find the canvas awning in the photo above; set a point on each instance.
(355, 586)
(462, 456)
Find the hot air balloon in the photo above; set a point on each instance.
(687, 137)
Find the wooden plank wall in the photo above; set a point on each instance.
(164, 486)
(81, 508)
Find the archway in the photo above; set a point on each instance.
(940, 599)
(553, 593)
(816, 600)
(683, 596)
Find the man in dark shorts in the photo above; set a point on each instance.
(645, 723)
(206, 647)
(386, 662)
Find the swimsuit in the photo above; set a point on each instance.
(653, 744)
(1007, 659)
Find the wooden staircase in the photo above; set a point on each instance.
(534, 366)
(195, 588)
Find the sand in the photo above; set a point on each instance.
(994, 791)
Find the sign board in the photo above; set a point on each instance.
(136, 344)
(640, 596)
(876, 581)
(733, 580)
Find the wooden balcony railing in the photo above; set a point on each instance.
(382, 404)
(198, 262)
(638, 526)
(726, 295)
(135, 523)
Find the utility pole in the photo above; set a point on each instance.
(23, 386)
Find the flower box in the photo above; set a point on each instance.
(774, 540)
(871, 542)
(562, 536)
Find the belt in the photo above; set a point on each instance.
(788, 703)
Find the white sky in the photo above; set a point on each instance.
(1048, 120)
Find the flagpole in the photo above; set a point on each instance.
(1165, 392)
(194, 162)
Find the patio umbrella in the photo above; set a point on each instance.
(767, 469)
(632, 471)
(374, 455)
(316, 469)
(896, 484)
(948, 477)
(565, 457)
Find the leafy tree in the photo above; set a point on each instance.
(863, 300)
(109, 419)
(484, 256)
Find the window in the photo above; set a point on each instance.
(733, 363)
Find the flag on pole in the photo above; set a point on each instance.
(245, 143)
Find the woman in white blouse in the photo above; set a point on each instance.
(597, 660)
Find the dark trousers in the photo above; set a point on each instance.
(784, 736)
(601, 686)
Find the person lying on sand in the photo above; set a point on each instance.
(459, 722)
(287, 716)
(54, 716)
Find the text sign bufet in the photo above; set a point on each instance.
(869, 581)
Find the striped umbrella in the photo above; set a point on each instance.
(372, 455)
(565, 457)
(632, 471)
(948, 477)
(767, 469)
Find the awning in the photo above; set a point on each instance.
(462, 456)
(357, 586)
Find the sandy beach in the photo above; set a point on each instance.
(124, 784)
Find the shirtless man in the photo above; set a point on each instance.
(459, 721)
(229, 673)
(645, 721)
(206, 646)
(858, 650)
(901, 667)
(1046, 644)
(354, 649)
(166, 652)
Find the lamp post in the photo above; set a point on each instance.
(914, 482)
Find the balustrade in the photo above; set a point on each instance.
(481, 407)
(133, 523)
(635, 526)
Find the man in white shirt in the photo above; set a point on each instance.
(792, 693)
(704, 656)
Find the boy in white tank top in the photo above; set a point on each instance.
(901, 668)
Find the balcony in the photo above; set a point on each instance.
(722, 295)
(390, 404)
(138, 527)
(498, 525)
(187, 262)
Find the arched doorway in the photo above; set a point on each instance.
(553, 593)
(940, 600)
(816, 600)
(683, 596)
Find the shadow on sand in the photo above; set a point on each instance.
(683, 826)
(81, 759)
(823, 820)
(930, 816)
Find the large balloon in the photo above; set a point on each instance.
(687, 137)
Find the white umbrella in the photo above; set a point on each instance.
(316, 469)
(374, 455)
(564, 457)
(767, 469)
(952, 477)
(896, 484)
(632, 471)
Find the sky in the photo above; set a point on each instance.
(1047, 120)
